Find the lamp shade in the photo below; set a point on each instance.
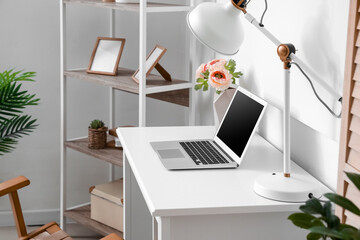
(217, 26)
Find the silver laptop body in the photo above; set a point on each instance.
(227, 148)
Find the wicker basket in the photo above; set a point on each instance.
(97, 138)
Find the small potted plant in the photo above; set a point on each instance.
(97, 134)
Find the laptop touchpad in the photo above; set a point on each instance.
(170, 153)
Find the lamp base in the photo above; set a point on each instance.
(297, 188)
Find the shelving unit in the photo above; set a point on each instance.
(82, 215)
(133, 7)
(156, 87)
(110, 155)
(177, 92)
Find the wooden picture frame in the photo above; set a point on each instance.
(152, 61)
(106, 56)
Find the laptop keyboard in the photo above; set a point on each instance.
(203, 152)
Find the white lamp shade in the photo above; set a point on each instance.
(217, 26)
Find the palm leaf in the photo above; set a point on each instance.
(17, 126)
(10, 76)
(13, 129)
(7, 145)
(13, 100)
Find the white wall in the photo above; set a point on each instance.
(318, 29)
(30, 40)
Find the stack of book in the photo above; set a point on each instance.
(116, 142)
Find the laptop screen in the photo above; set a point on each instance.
(239, 122)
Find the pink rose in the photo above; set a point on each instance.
(214, 63)
(220, 78)
(200, 71)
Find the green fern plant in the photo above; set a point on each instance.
(13, 100)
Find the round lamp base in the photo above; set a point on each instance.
(297, 188)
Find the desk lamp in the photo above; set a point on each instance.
(213, 25)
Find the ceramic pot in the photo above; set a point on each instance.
(221, 103)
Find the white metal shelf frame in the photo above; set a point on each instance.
(143, 9)
(132, 7)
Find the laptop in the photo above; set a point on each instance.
(227, 148)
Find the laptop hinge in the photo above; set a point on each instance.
(227, 155)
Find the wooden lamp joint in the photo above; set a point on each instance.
(284, 51)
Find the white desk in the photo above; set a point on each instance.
(200, 204)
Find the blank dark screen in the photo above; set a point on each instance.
(239, 122)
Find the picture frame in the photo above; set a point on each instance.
(106, 56)
(152, 61)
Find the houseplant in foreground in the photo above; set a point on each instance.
(319, 218)
(13, 99)
(97, 134)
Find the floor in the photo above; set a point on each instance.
(77, 232)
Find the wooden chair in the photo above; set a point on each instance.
(50, 231)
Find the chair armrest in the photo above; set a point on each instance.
(13, 185)
(112, 236)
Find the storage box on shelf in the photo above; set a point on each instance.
(107, 204)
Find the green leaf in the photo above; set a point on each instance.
(356, 235)
(218, 91)
(312, 206)
(237, 74)
(198, 87)
(352, 232)
(313, 236)
(200, 80)
(332, 220)
(345, 226)
(329, 232)
(355, 179)
(7, 145)
(9, 76)
(17, 126)
(206, 86)
(206, 74)
(304, 220)
(230, 66)
(13, 100)
(343, 202)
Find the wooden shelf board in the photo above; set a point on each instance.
(111, 155)
(124, 82)
(134, 7)
(82, 216)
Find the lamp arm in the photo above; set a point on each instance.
(307, 69)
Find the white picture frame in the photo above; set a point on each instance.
(151, 61)
(106, 56)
